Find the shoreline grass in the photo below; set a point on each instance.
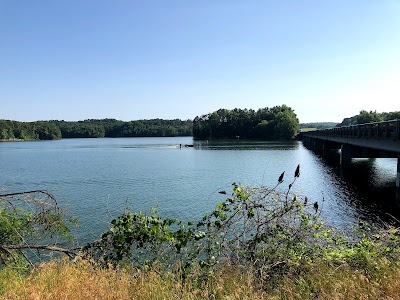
(249, 247)
(81, 280)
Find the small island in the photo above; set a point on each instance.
(276, 123)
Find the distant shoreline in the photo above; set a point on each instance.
(12, 140)
(106, 137)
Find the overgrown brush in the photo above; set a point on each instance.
(269, 239)
(270, 232)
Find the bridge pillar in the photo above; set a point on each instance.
(398, 182)
(319, 146)
(345, 155)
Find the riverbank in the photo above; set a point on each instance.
(291, 255)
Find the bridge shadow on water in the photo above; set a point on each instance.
(371, 183)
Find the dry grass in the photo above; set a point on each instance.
(323, 282)
(66, 280)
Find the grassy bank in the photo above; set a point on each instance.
(259, 243)
(67, 280)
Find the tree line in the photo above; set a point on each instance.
(369, 117)
(93, 128)
(40, 130)
(115, 128)
(278, 122)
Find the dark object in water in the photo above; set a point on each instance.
(188, 146)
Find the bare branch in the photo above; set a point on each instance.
(47, 193)
(69, 252)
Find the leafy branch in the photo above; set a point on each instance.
(28, 217)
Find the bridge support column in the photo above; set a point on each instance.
(398, 182)
(319, 147)
(345, 155)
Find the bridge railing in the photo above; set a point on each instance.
(378, 130)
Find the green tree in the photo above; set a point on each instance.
(279, 122)
(368, 117)
(4, 134)
(263, 129)
(392, 115)
(286, 125)
(47, 131)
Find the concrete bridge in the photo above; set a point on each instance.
(371, 140)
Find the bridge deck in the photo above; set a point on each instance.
(381, 136)
(365, 140)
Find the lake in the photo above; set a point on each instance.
(95, 179)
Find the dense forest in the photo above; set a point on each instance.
(94, 128)
(115, 128)
(278, 122)
(368, 117)
(41, 130)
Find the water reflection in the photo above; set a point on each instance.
(367, 187)
(371, 184)
(244, 145)
(96, 178)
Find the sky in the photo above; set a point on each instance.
(129, 60)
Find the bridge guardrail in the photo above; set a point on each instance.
(378, 130)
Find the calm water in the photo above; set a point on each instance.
(96, 178)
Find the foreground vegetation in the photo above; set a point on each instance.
(258, 243)
(82, 280)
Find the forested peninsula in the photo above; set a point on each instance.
(276, 123)
(93, 128)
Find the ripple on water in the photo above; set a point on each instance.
(97, 178)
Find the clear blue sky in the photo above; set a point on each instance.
(80, 59)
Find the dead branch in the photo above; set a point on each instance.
(47, 193)
(69, 252)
